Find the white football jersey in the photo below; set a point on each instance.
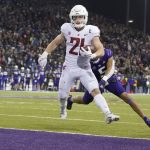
(77, 39)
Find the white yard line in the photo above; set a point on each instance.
(53, 109)
(21, 103)
(56, 118)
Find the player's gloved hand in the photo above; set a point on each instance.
(147, 121)
(86, 52)
(43, 59)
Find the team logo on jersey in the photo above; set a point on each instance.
(69, 33)
(89, 30)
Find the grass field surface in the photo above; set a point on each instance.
(40, 111)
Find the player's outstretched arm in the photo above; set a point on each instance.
(55, 43)
(51, 47)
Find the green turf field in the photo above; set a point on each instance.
(40, 111)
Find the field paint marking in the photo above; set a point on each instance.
(119, 101)
(111, 103)
(73, 133)
(56, 92)
(16, 103)
(54, 118)
(21, 103)
(84, 111)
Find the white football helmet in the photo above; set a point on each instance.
(78, 10)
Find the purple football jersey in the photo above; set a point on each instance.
(99, 67)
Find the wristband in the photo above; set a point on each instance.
(105, 78)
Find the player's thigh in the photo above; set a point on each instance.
(89, 80)
(65, 82)
(115, 88)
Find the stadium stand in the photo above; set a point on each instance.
(26, 28)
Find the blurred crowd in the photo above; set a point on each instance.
(26, 28)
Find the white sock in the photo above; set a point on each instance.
(102, 104)
(63, 104)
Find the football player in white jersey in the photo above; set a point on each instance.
(77, 35)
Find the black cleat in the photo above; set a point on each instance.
(69, 102)
(147, 121)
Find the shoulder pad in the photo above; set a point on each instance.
(94, 30)
(109, 53)
(64, 27)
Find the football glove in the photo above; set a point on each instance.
(147, 121)
(86, 52)
(43, 59)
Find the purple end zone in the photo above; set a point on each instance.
(32, 140)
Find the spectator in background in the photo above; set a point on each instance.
(24, 35)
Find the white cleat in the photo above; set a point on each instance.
(111, 117)
(63, 115)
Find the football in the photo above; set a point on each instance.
(91, 47)
(86, 51)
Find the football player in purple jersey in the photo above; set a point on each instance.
(5, 78)
(41, 78)
(35, 79)
(1, 78)
(15, 78)
(104, 69)
(22, 79)
(28, 79)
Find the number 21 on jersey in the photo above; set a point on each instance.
(78, 42)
